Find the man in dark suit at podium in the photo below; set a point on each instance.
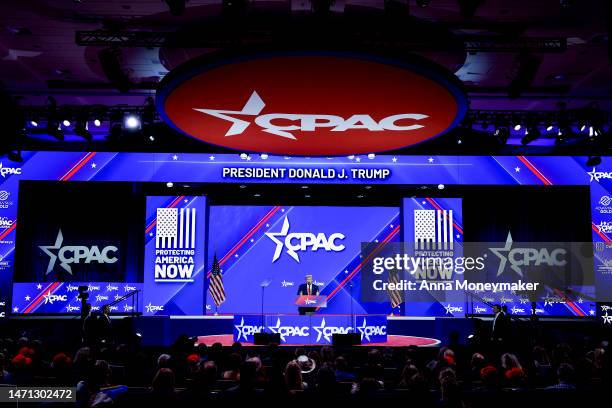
(308, 288)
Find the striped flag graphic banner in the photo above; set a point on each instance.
(395, 296)
(176, 228)
(433, 229)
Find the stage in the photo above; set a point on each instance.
(392, 341)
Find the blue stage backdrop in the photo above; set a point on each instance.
(174, 255)
(276, 246)
(233, 168)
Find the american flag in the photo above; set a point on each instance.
(175, 229)
(215, 287)
(433, 229)
(394, 295)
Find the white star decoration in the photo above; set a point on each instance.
(591, 312)
(248, 158)
(15, 309)
(235, 255)
(27, 298)
(358, 159)
(394, 159)
(431, 159)
(211, 158)
(517, 169)
(93, 165)
(175, 157)
(252, 240)
(39, 286)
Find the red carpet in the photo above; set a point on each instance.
(392, 341)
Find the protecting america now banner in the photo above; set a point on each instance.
(175, 235)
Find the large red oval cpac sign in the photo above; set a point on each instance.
(310, 104)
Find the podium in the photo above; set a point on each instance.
(307, 304)
(311, 301)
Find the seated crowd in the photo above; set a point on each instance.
(189, 375)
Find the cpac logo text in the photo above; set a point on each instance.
(303, 241)
(598, 175)
(367, 331)
(246, 331)
(154, 308)
(289, 331)
(49, 298)
(283, 124)
(450, 309)
(4, 171)
(77, 254)
(520, 257)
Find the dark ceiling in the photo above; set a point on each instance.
(52, 47)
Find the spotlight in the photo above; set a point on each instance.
(517, 127)
(371, 156)
(169, 184)
(82, 129)
(132, 122)
(440, 186)
(263, 156)
(54, 129)
(66, 123)
(152, 138)
(97, 122)
(531, 133)
(593, 161)
(501, 134)
(565, 133)
(549, 128)
(34, 123)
